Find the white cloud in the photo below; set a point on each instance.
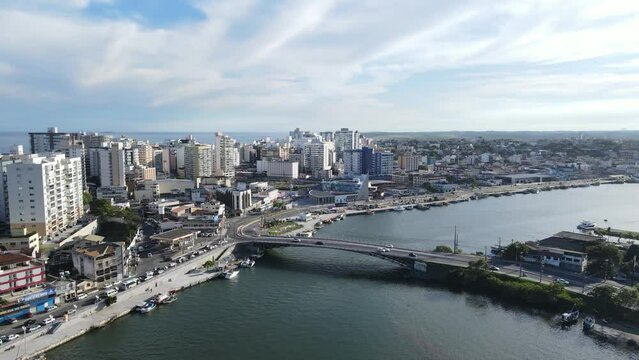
(342, 62)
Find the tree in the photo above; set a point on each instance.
(514, 251)
(603, 259)
(209, 264)
(480, 264)
(627, 297)
(87, 198)
(602, 297)
(443, 249)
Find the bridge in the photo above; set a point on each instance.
(398, 255)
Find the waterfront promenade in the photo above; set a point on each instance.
(93, 316)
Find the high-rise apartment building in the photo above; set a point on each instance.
(224, 155)
(198, 161)
(111, 165)
(6, 160)
(409, 162)
(52, 140)
(45, 194)
(353, 162)
(145, 154)
(345, 139)
(318, 158)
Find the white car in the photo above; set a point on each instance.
(81, 296)
(561, 281)
(48, 320)
(34, 328)
(390, 246)
(13, 337)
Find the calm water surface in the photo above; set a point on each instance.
(322, 304)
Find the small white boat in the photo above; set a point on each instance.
(587, 225)
(398, 208)
(169, 299)
(409, 207)
(147, 307)
(229, 274)
(159, 298)
(247, 263)
(570, 317)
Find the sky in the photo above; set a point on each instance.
(242, 65)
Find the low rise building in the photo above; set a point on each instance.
(19, 272)
(115, 193)
(19, 240)
(177, 238)
(101, 263)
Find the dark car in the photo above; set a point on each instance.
(412, 254)
(319, 243)
(30, 322)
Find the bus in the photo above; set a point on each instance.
(128, 283)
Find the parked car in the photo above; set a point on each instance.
(172, 264)
(48, 320)
(319, 243)
(296, 240)
(81, 296)
(561, 281)
(12, 337)
(33, 328)
(493, 268)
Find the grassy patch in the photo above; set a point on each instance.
(281, 228)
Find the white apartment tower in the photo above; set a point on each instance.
(224, 155)
(345, 139)
(45, 194)
(198, 161)
(111, 165)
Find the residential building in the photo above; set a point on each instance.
(114, 193)
(318, 157)
(279, 168)
(45, 194)
(145, 154)
(102, 263)
(345, 139)
(28, 244)
(353, 162)
(409, 162)
(225, 154)
(111, 165)
(198, 161)
(141, 173)
(51, 141)
(19, 272)
(6, 160)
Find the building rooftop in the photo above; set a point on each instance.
(8, 258)
(171, 235)
(570, 241)
(99, 249)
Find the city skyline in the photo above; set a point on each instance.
(244, 65)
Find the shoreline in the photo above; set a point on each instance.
(178, 279)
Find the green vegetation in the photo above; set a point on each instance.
(280, 228)
(479, 264)
(514, 251)
(278, 204)
(603, 259)
(209, 264)
(2, 301)
(87, 198)
(623, 234)
(443, 249)
(517, 291)
(115, 223)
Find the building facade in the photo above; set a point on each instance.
(102, 263)
(45, 194)
(198, 161)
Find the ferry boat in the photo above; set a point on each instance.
(587, 225)
(147, 307)
(398, 208)
(247, 263)
(229, 274)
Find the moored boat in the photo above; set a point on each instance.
(398, 208)
(169, 299)
(247, 263)
(147, 307)
(586, 225)
(588, 324)
(570, 317)
(229, 274)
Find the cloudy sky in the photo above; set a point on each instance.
(197, 65)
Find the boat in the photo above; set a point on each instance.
(318, 225)
(169, 299)
(159, 298)
(398, 208)
(247, 263)
(586, 225)
(570, 317)
(409, 207)
(229, 274)
(147, 307)
(369, 212)
(423, 207)
(588, 324)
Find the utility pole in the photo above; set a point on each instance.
(541, 268)
(520, 264)
(632, 279)
(455, 241)
(486, 253)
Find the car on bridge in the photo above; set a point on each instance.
(561, 281)
(296, 240)
(412, 254)
(493, 268)
(319, 243)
